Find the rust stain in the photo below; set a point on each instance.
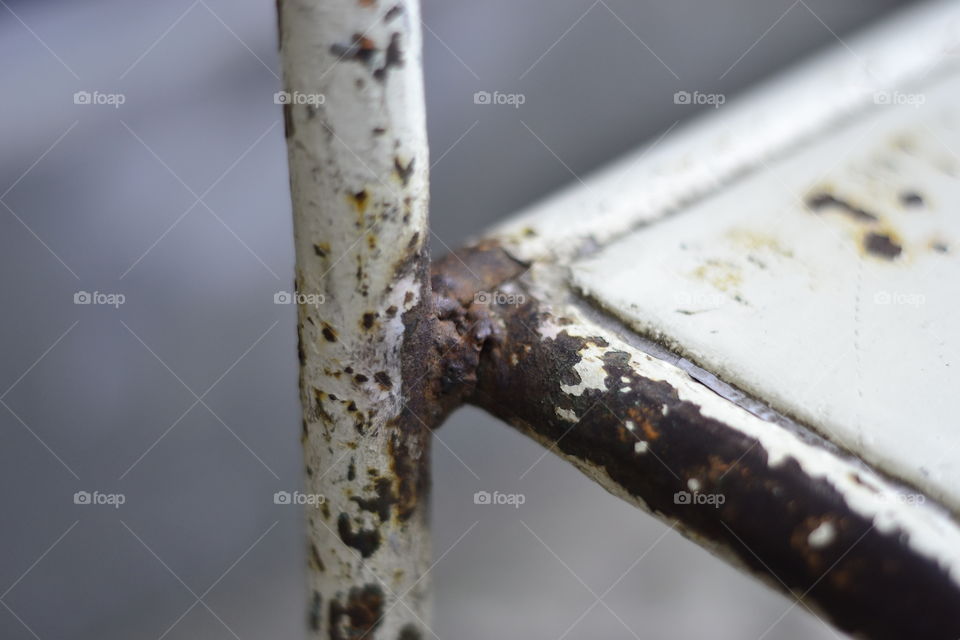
(721, 274)
(403, 171)
(329, 333)
(360, 616)
(755, 241)
(824, 200)
(393, 58)
(361, 49)
(393, 12)
(288, 127)
(359, 200)
(912, 199)
(366, 541)
(882, 245)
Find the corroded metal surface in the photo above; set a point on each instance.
(498, 325)
(773, 243)
(783, 505)
(356, 137)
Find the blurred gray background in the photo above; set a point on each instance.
(184, 398)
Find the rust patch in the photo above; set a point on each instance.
(316, 610)
(823, 200)
(359, 200)
(393, 58)
(361, 49)
(410, 632)
(881, 245)
(366, 541)
(409, 463)
(288, 120)
(319, 412)
(393, 12)
(315, 561)
(360, 616)
(403, 171)
(911, 199)
(382, 503)
(301, 352)
(328, 333)
(383, 380)
(871, 566)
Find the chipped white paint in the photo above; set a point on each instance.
(693, 484)
(698, 158)
(568, 415)
(927, 528)
(823, 535)
(641, 447)
(788, 302)
(358, 164)
(591, 374)
(751, 162)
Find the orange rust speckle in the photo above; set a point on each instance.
(718, 467)
(722, 275)
(649, 431)
(359, 200)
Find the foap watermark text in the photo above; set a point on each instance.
(699, 98)
(311, 299)
(114, 100)
(515, 100)
(97, 498)
(299, 498)
(512, 499)
(99, 298)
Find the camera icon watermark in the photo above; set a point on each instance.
(287, 297)
(114, 500)
(98, 298)
(715, 100)
(515, 100)
(298, 498)
(297, 97)
(115, 100)
(497, 498)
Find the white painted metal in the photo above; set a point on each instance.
(698, 158)
(787, 302)
(356, 136)
(746, 281)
